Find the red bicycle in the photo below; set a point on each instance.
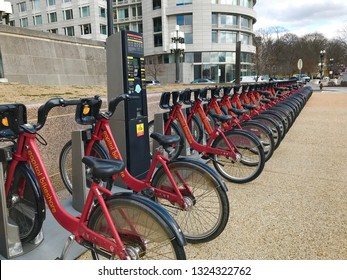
(112, 226)
(188, 189)
(213, 112)
(237, 155)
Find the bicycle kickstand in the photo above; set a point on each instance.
(66, 248)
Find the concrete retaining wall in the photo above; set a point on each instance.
(42, 58)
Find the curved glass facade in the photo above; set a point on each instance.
(211, 30)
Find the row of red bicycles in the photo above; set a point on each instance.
(182, 199)
(236, 128)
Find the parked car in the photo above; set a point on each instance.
(152, 83)
(301, 77)
(203, 81)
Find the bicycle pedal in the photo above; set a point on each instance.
(148, 192)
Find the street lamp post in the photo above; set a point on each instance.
(331, 66)
(322, 53)
(177, 46)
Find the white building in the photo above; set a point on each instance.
(5, 11)
(211, 30)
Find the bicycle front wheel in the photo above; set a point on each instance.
(65, 163)
(25, 203)
(264, 134)
(252, 158)
(208, 204)
(145, 234)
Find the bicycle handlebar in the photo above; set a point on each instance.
(114, 102)
(46, 107)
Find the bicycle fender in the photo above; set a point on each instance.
(207, 168)
(244, 132)
(36, 186)
(170, 222)
(257, 123)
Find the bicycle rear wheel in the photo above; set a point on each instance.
(252, 160)
(144, 232)
(208, 211)
(25, 203)
(65, 163)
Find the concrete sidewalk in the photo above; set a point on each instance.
(297, 208)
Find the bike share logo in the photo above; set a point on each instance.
(42, 180)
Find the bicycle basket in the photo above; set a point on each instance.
(88, 110)
(12, 116)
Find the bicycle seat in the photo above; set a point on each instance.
(222, 118)
(238, 112)
(249, 106)
(103, 168)
(165, 140)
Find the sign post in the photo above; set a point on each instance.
(300, 64)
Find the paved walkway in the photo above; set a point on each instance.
(297, 208)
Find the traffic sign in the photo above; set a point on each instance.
(300, 64)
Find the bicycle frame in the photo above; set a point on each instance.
(27, 151)
(102, 131)
(177, 114)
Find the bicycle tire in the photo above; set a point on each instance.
(65, 163)
(263, 133)
(252, 157)
(153, 238)
(26, 208)
(273, 125)
(208, 213)
(196, 129)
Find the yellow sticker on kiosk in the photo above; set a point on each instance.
(140, 129)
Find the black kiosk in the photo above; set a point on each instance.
(129, 124)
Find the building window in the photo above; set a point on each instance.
(52, 17)
(55, 30)
(37, 20)
(69, 31)
(188, 38)
(103, 29)
(158, 40)
(50, 2)
(214, 37)
(22, 7)
(185, 19)
(123, 14)
(183, 2)
(246, 3)
(227, 37)
(68, 14)
(123, 27)
(102, 12)
(228, 2)
(86, 29)
(156, 4)
(214, 19)
(84, 11)
(67, 1)
(228, 20)
(246, 23)
(157, 27)
(35, 4)
(245, 39)
(23, 22)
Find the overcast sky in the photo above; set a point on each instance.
(303, 16)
